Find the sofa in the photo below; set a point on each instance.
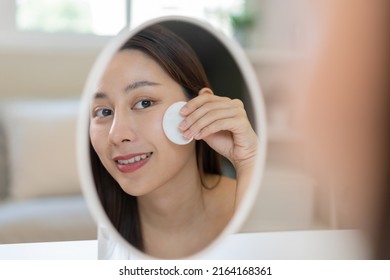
(40, 194)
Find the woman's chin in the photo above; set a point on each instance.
(136, 189)
(133, 191)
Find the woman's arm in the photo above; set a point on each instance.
(223, 124)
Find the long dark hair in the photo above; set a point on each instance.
(179, 60)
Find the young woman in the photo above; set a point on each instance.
(167, 200)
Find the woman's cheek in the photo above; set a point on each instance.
(92, 136)
(151, 127)
(96, 141)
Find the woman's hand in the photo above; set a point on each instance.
(223, 124)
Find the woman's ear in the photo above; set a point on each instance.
(205, 90)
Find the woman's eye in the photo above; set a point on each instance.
(103, 112)
(143, 104)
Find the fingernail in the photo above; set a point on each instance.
(183, 125)
(197, 136)
(187, 134)
(184, 110)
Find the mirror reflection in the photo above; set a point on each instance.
(165, 199)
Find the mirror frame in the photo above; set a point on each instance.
(83, 156)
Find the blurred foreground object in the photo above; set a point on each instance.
(345, 100)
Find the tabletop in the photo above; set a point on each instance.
(324, 244)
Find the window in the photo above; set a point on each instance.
(88, 24)
(215, 12)
(100, 17)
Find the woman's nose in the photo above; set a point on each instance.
(121, 130)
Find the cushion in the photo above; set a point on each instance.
(46, 219)
(41, 148)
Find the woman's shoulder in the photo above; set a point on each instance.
(221, 181)
(223, 197)
(223, 187)
(227, 182)
(227, 188)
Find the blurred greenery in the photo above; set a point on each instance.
(242, 21)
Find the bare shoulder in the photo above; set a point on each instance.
(220, 200)
(227, 189)
(228, 183)
(224, 187)
(221, 182)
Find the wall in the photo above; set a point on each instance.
(44, 73)
(28, 72)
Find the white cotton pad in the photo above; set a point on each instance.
(171, 121)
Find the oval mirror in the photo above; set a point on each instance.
(154, 197)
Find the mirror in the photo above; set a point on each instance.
(151, 197)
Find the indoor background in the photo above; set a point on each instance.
(47, 49)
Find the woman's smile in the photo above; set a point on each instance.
(132, 162)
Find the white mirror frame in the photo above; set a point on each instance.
(83, 156)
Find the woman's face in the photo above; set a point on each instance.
(126, 124)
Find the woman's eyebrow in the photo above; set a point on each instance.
(99, 95)
(139, 84)
(130, 87)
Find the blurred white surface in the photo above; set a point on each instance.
(298, 245)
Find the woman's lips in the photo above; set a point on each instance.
(132, 162)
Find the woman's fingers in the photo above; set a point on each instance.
(221, 122)
(231, 137)
(207, 108)
(199, 101)
(200, 112)
(214, 127)
(204, 119)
